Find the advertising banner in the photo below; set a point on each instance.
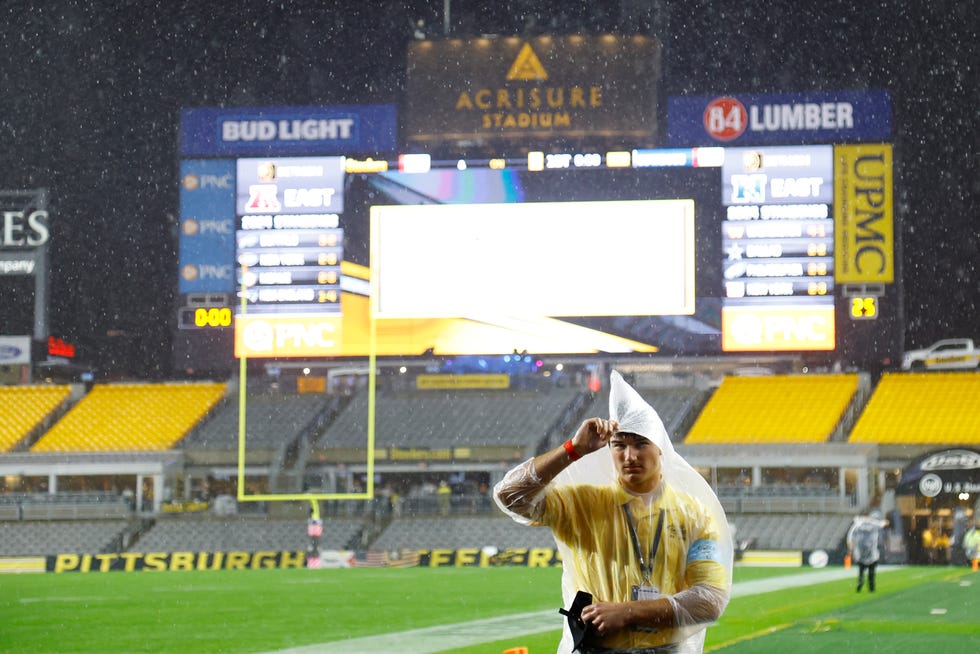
(947, 472)
(243, 131)
(779, 118)
(864, 232)
(15, 350)
(173, 561)
(542, 88)
(207, 226)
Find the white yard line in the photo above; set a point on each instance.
(442, 638)
(439, 638)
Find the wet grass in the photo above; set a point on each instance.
(916, 609)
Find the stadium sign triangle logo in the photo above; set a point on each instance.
(526, 66)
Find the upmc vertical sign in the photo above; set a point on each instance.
(863, 213)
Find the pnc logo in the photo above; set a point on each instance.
(287, 336)
(746, 329)
(192, 272)
(211, 226)
(216, 181)
(192, 182)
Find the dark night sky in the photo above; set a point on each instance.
(91, 96)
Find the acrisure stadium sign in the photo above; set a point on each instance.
(544, 87)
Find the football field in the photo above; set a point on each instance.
(465, 610)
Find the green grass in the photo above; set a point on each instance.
(263, 610)
(833, 618)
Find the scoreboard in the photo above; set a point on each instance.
(777, 248)
(647, 252)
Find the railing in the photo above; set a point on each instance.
(789, 504)
(63, 506)
(381, 508)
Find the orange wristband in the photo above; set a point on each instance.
(570, 450)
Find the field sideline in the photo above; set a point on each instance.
(916, 609)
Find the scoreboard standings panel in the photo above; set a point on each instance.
(760, 272)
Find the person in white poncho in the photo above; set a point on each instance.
(637, 527)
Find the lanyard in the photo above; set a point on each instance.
(646, 567)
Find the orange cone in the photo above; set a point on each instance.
(975, 562)
(847, 561)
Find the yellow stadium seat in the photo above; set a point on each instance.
(921, 409)
(131, 417)
(23, 408)
(777, 409)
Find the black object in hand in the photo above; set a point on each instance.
(580, 629)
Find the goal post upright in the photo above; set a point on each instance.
(313, 498)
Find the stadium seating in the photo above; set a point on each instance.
(775, 409)
(24, 408)
(270, 421)
(776, 531)
(443, 533)
(131, 417)
(450, 419)
(249, 534)
(49, 537)
(922, 408)
(676, 406)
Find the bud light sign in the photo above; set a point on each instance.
(264, 131)
(779, 119)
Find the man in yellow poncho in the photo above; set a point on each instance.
(636, 526)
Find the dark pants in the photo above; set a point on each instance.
(870, 567)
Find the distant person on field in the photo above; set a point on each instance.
(928, 539)
(971, 543)
(638, 529)
(864, 540)
(943, 544)
(443, 497)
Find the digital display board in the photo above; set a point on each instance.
(679, 252)
(434, 261)
(289, 241)
(778, 249)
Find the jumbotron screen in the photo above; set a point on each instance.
(684, 252)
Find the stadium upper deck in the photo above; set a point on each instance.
(904, 415)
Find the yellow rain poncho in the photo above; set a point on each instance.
(584, 506)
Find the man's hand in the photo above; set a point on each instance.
(593, 434)
(608, 617)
